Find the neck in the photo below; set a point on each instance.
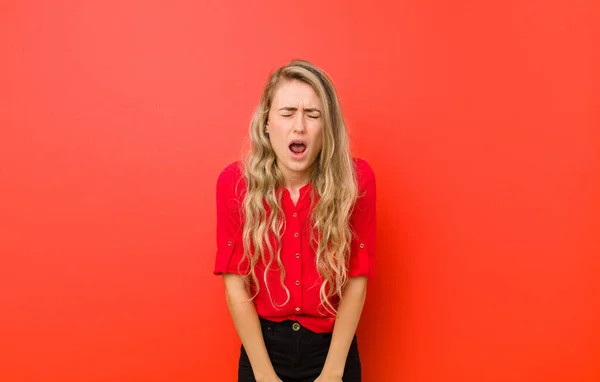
(294, 181)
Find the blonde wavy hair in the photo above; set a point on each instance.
(333, 183)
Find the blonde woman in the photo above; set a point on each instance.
(296, 235)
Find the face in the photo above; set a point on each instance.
(295, 128)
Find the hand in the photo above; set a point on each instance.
(328, 378)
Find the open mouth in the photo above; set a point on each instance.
(298, 148)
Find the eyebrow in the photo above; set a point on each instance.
(291, 108)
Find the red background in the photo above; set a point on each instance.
(480, 118)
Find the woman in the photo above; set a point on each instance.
(296, 235)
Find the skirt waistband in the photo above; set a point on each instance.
(288, 326)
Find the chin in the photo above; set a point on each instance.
(298, 167)
(301, 166)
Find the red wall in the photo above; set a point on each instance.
(480, 120)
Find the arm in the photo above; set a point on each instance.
(247, 324)
(349, 312)
(363, 221)
(229, 256)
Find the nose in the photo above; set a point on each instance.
(299, 123)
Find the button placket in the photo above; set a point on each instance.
(297, 268)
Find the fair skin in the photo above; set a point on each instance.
(295, 116)
(295, 128)
(245, 319)
(346, 322)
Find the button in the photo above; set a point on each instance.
(297, 309)
(296, 234)
(297, 282)
(297, 255)
(362, 245)
(295, 215)
(229, 243)
(296, 326)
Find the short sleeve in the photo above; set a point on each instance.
(363, 224)
(229, 222)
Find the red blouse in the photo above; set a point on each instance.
(302, 278)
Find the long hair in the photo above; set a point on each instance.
(333, 183)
